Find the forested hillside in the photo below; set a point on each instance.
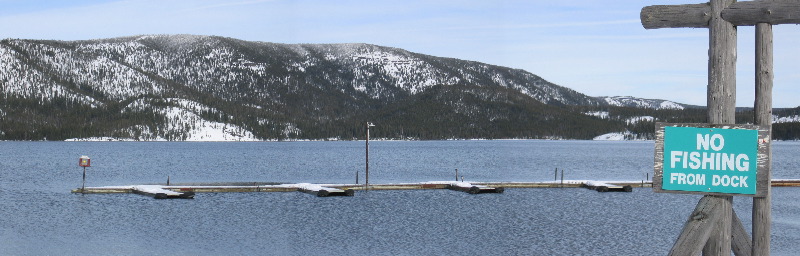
(185, 87)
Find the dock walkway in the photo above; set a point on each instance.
(189, 190)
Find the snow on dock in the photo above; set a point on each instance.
(473, 188)
(600, 186)
(321, 191)
(158, 192)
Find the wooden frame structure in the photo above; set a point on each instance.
(713, 227)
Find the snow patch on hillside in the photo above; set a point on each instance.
(637, 119)
(627, 101)
(198, 129)
(619, 136)
(598, 114)
(670, 105)
(612, 136)
(185, 123)
(785, 119)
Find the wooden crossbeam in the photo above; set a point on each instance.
(746, 13)
(751, 13)
(676, 16)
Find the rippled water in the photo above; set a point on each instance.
(41, 217)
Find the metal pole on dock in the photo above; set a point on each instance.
(456, 174)
(366, 176)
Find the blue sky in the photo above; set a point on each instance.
(595, 47)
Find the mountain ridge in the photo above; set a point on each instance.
(185, 87)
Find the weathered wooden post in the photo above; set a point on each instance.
(721, 17)
(762, 206)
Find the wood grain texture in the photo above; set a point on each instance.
(698, 228)
(750, 13)
(676, 16)
(762, 206)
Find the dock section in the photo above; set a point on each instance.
(473, 188)
(786, 182)
(158, 192)
(349, 189)
(600, 186)
(321, 191)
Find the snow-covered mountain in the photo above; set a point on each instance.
(123, 68)
(256, 89)
(187, 87)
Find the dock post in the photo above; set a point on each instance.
(456, 174)
(562, 178)
(555, 175)
(167, 180)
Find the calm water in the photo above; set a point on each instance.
(41, 217)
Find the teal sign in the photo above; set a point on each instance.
(710, 160)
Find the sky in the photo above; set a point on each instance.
(598, 48)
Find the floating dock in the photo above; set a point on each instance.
(188, 190)
(158, 192)
(321, 191)
(336, 189)
(600, 186)
(473, 189)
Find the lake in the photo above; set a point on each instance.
(42, 217)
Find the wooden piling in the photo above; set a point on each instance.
(721, 110)
(762, 206)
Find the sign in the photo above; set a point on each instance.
(84, 161)
(709, 159)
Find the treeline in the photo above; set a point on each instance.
(59, 119)
(443, 112)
